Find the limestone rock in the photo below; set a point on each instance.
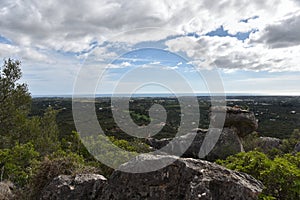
(243, 121)
(227, 144)
(185, 179)
(66, 187)
(6, 188)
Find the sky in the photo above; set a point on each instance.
(154, 46)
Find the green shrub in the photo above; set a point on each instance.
(289, 144)
(18, 163)
(280, 176)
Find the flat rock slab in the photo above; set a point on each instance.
(185, 179)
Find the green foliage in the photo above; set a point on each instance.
(280, 176)
(250, 142)
(266, 197)
(45, 136)
(18, 163)
(42, 132)
(140, 146)
(15, 126)
(289, 144)
(15, 103)
(133, 146)
(72, 143)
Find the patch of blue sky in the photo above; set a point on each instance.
(195, 35)
(5, 40)
(224, 33)
(151, 56)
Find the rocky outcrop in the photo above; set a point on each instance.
(185, 179)
(227, 144)
(81, 186)
(6, 188)
(266, 144)
(243, 121)
(238, 123)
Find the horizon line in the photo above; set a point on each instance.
(164, 94)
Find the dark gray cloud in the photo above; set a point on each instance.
(286, 33)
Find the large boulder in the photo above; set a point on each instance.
(228, 144)
(266, 144)
(6, 188)
(81, 186)
(185, 179)
(243, 121)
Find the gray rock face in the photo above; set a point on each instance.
(185, 179)
(238, 123)
(297, 147)
(227, 144)
(243, 121)
(66, 187)
(6, 190)
(268, 143)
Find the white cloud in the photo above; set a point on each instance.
(125, 64)
(56, 33)
(23, 53)
(73, 25)
(231, 53)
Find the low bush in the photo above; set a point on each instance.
(280, 176)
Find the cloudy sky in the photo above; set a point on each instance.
(254, 46)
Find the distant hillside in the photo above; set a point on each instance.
(278, 116)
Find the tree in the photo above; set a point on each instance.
(43, 132)
(15, 125)
(14, 103)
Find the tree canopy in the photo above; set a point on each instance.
(14, 100)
